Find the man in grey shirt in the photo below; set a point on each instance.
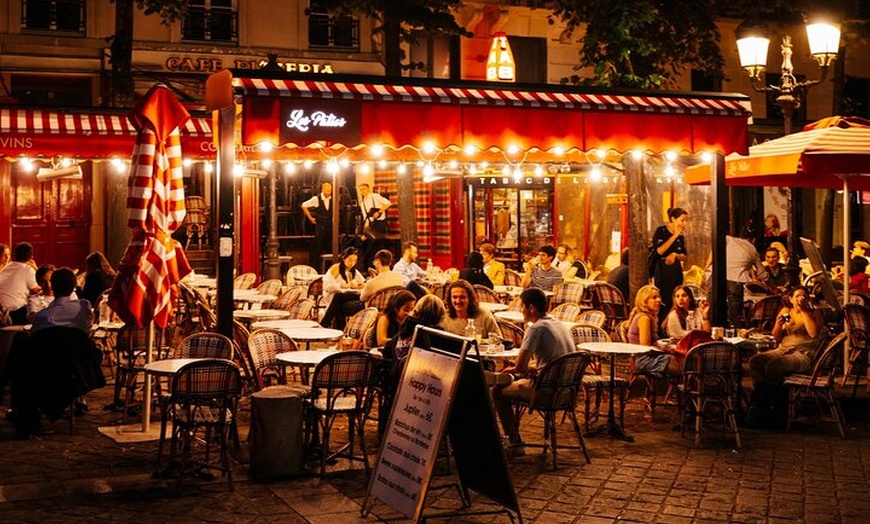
(546, 339)
(542, 273)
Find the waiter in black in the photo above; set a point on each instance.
(318, 209)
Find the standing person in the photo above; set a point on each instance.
(462, 305)
(741, 261)
(18, 282)
(643, 329)
(318, 210)
(667, 254)
(618, 276)
(686, 314)
(545, 339)
(492, 267)
(541, 273)
(473, 271)
(373, 230)
(64, 310)
(338, 279)
(99, 276)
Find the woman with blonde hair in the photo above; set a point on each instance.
(642, 329)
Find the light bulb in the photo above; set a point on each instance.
(595, 174)
(187, 162)
(382, 164)
(453, 164)
(265, 147)
(238, 170)
(289, 168)
(265, 163)
(377, 150)
(208, 168)
(308, 164)
(636, 154)
(401, 169)
(706, 157)
(470, 150)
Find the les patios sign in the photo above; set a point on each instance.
(305, 121)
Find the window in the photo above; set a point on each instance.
(52, 91)
(703, 81)
(53, 15)
(212, 20)
(327, 31)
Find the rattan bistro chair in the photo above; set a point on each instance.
(203, 397)
(204, 345)
(264, 345)
(819, 386)
(341, 386)
(711, 375)
(555, 390)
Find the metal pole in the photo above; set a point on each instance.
(226, 191)
(718, 299)
(846, 262)
(146, 393)
(272, 266)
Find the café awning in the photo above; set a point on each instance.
(41, 133)
(356, 113)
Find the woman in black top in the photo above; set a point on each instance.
(473, 271)
(666, 257)
(99, 276)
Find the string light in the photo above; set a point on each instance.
(401, 169)
(470, 150)
(27, 164)
(595, 175)
(265, 163)
(208, 168)
(119, 165)
(265, 147)
(377, 150)
(238, 170)
(187, 162)
(706, 157)
(636, 154)
(289, 168)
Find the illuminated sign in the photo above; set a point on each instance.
(208, 64)
(307, 120)
(510, 181)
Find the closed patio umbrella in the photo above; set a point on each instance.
(153, 262)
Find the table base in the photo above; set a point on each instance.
(612, 430)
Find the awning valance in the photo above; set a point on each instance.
(365, 111)
(39, 133)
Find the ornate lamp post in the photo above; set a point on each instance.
(824, 41)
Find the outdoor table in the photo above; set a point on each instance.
(614, 348)
(168, 366)
(510, 316)
(493, 307)
(201, 281)
(512, 291)
(289, 323)
(260, 314)
(304, 360)
(309, 335)
(305, 279)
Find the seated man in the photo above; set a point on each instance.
(18, 282)
(64, 310)
(542, 274)
(545, 339)
(772, 272)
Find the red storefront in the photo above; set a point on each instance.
(57, 216)
(441, 133)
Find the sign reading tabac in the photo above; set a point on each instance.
(308, 120)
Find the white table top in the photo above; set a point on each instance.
(615, 348)
(503, 354)
(261, 314)
(305, 278)
(311, 334)
(512, 316)
(16, 328)
(252, 295)
(169, 366)
(108, 326)
(289, 323)
(508, 290)
(493, 307)
(304, 358)
(207, 282)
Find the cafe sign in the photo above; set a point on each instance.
(210, 64)
(308, 120)
(484, 182)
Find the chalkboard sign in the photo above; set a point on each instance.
(441, 388)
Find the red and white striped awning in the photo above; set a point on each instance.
(405, 115)
(653, 103)
(35, 132)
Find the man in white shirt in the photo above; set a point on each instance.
(407, 265)
(17, 283)
(318, 210)
(385, 277)
(741, 262)
(373, 227)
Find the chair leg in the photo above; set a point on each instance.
(732, 421)
(836, 411)
(699, 412)
(580, 437)
(790, 412)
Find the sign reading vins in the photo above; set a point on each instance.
(308, 120)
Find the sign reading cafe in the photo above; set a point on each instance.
(309, 120)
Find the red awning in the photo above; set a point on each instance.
(38, 133)
(448, 116)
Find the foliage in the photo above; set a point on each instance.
(168, 10)
(401, 21)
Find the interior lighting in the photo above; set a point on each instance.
(506, 170)
(670, 172)
(595, 175)
(344, 163)
(208, 168)
(539, 170)
(265, 163)
(600, 153)
(27, 164)
(119, 165)
(484, 165)
(238, 170)
(470, 150)
(670, 156)
(66, 162)
(420, 163)
(289, 168)
(377, 150)
(187, 162)
(706, 157)
(428, 171)
(364, 168)
(429, 148)
(636, 154)
(558, 151)
(332, 167)
(518, 172)
(308, 164)
(453, 165)
(513, 149)
(401, 169)
(382, 164)
(500, 65)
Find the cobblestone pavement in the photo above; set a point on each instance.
(809, 475)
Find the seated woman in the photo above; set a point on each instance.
(858, 280)
(473, 271)
(462, 306)
(99, 276)
(341, 277)
(799, 329)
(429, 311)
(41, 300)
(642, 329)
(686, 314)
(400, 306)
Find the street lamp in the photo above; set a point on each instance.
(824, 40)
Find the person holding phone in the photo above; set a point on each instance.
(667, 254)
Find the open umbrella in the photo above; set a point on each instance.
(832, 153)
(153, 263)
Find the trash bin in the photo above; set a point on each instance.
(275, 439)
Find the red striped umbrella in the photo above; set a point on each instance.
(153, 262)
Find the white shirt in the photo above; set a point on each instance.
(409, 271)
(740, 258)
(16, 281)
(332, 285)
(315, 201)
(374, 201)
